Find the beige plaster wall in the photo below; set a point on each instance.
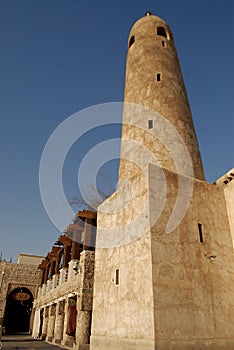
(229, 196)
(175, 292)
(191, 304)
(193, 281)
(124, 310)
(29, 259)
(145, 59)
(17, 275)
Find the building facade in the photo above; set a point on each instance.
(161, 276)
(63, 307)
(168, 281)
(18, 288)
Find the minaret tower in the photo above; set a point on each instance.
(154, 80)
(163, 262)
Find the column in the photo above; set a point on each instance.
(43, 271)
(36, 324)
(83, 331)
(52, 266)
(70, 323)
(75, 250)
(88, 234)
(45, 323)
(51, 323)
(46, 273)
(66, 258)
(59, 322)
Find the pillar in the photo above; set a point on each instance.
(88, 234)
(66, 255)
(59, 322)
(52, 267)
(36, 324)
(45, 323)
(83, 327)
(51, 323)
(75, 250)
(68, 340)
(46, 273)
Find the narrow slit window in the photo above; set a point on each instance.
(201, 238)
(150, 124)
(158, 77)
(131, 41)
(117, 276)
(163, 44)
(162, 32)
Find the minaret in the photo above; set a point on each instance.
(164, 249)
(154, 80)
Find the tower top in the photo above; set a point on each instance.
(148, 13)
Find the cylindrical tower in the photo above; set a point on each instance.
(154, 80)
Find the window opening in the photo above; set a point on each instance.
(161, 31)
(158, 77)
(163, 44)
(201, 238)
(131, 41)
(150, 124)
(117, 277)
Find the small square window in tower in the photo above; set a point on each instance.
(117, 276)
(150, 124)
(131, 41)
(162, 32)
(158, 77)
(201, 237)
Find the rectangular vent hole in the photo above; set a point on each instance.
(150, 124)
(117, 276)
(201, 238)
(158, 77)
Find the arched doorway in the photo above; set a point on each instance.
(18, 310)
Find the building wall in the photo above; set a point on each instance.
(14, 276)
(169, 235)
(191, 283)
(229, 196)
(227, 183)
(123, 310)
(30, 259)
(194, 281)
(54, 299)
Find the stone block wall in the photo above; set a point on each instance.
(76, 291)
(17, 275)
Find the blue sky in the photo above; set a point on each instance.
(60, 56)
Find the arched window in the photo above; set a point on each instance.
(131, 41)
(161, 31)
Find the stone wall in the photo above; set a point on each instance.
(54, 302)
(17, 275)
(175, 289)
(193, 278)
(227, 183)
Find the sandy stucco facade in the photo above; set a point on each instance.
(168, 282)
(161, 276)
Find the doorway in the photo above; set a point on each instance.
(18, 310)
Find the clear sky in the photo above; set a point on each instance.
(60, 56)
